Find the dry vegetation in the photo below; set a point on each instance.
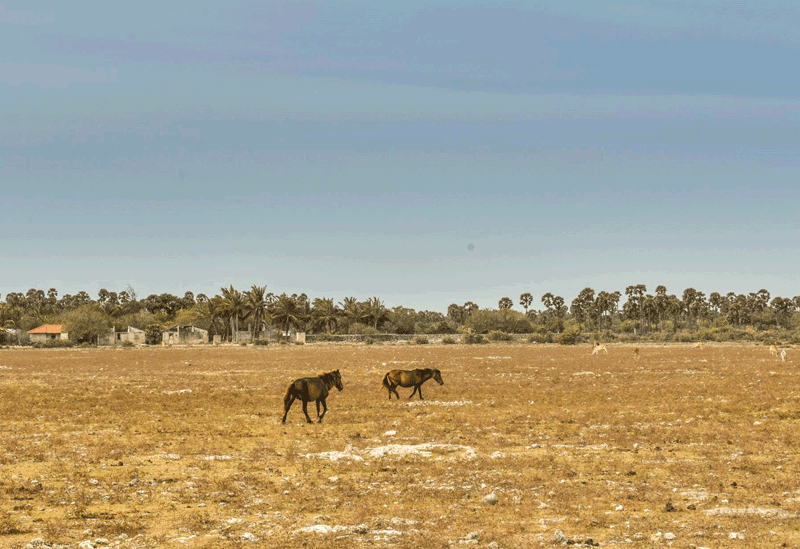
(523, 446)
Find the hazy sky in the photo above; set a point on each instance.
(426, 153)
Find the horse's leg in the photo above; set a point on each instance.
(393, 389)
(416, 387)
(305, 411)
(286, 406)
(419, 388)
(324, 409)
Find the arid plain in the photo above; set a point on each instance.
(523, 446)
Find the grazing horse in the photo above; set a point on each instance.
(410, 378)
(312, 388)
(599, 347)
(697, 345)
(636, 353)
(773, 350)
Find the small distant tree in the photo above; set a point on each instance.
(86, 323)
(525, 300)
(152, 334)
(505, 303)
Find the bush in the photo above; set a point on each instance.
(152, 334)
(505, 320)
(570, 337)
(497, 335)
(127, 344)
(546, 337)
(53, 344)
(261, 342)
(421, 340)
(447, 340)
(473, 339)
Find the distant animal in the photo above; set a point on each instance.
(599, 347)
(773, 350)
(410, 378)
(312, 388)
(783, 355)
(636, 353)
(697, 345)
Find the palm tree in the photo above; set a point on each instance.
(351, 311)
(325, 314)
(375, 311)
(234, 307)
(525, 300)
(257, 305)
(285, 312)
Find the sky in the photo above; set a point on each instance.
(425, 153)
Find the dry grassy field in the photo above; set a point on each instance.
(523, 446)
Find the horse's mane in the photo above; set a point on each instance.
(328, 378)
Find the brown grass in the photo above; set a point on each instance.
(184, 446)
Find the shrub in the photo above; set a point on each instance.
(505, 320)
(127, 344)
(421, 340)
(447, 340)
(497, 335)
(546, 337)
(262, 342)
(473, 338)
(152, 334)
(569, 337)
(53, 344)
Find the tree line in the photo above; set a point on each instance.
(260, 313)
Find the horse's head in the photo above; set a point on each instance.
(437, 375)
(337, 379)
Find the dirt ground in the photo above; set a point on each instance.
(523, 446)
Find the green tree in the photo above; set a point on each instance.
(403, 320)
(375, 312)
(352, 312)
(257, 308)
(635, 303)
(325, 314)
(505, 303)
(285, 313)
(86, 323)
(234, 307)
(484, 321)
(456, 314)
(153, 334)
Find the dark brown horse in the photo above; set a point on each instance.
(312, 388)
(410, 378)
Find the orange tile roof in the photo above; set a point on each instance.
(47, 329)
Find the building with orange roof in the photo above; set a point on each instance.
(47, 332)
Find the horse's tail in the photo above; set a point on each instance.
(386, 384)
(290, 393)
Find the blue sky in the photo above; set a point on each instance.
(426, 153)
